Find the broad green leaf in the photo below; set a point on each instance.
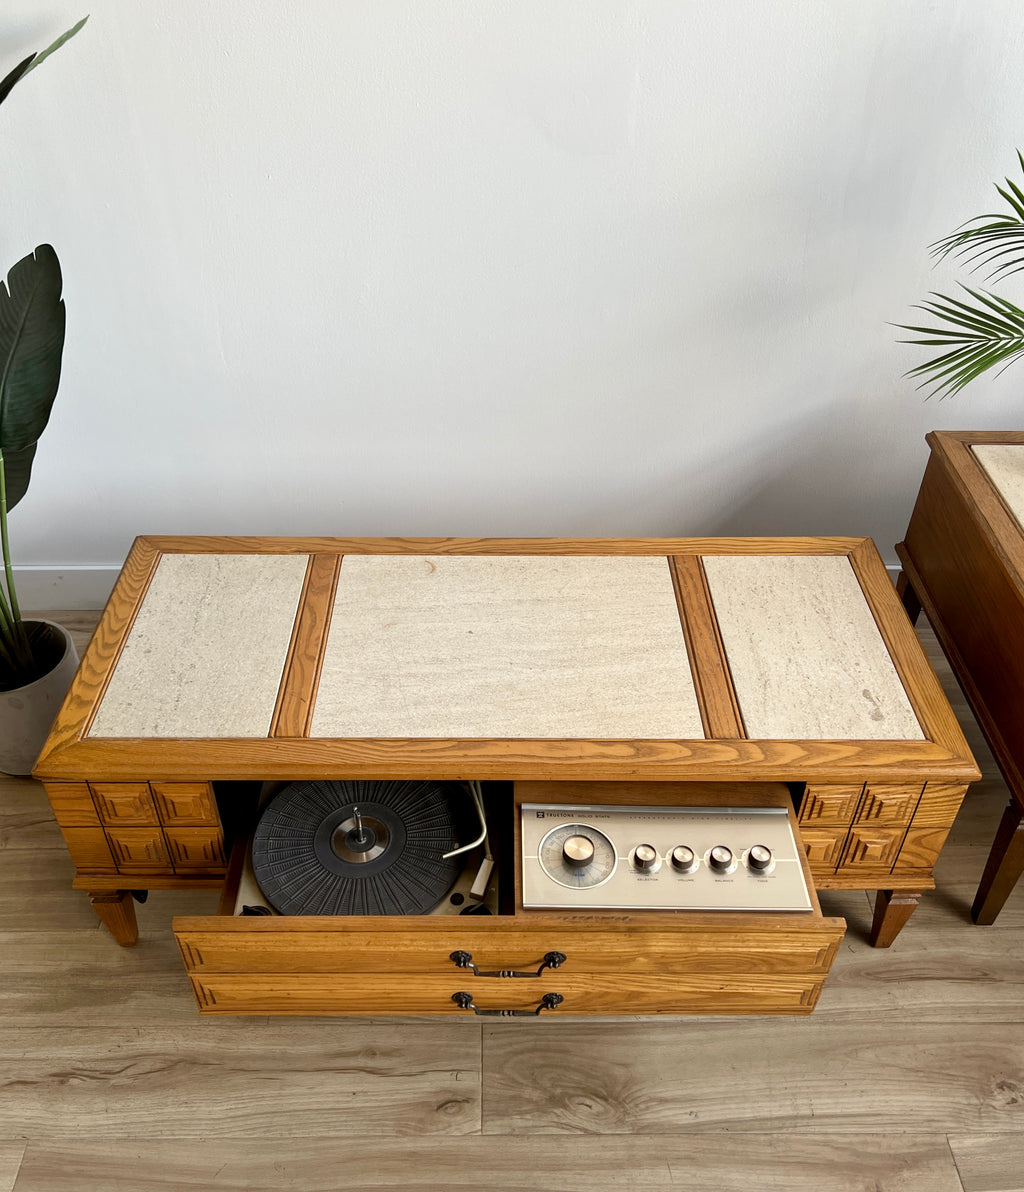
(31, 342)
(17, 472)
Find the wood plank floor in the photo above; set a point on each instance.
(908, 1076)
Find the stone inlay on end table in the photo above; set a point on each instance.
(1004, 463)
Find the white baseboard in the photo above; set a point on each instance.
(44, 589)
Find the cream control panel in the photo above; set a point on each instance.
(661, 858)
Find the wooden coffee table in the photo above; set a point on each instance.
(668, 670)
(963, 561)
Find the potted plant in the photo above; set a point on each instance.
(37, 658)
(987, 330)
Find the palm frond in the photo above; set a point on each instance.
(994, 239)
(986, 332)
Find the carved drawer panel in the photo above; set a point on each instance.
(195, 848)
(823, 846)
(185, 804)
(138, 848)
(123, 803)
(829, 805)
(872, 848)
(888, 804)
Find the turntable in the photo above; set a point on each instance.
(369, 848)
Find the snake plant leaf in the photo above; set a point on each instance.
(982, 334)
(7, 84)
(66, 36)
(33, 60)
(32, 321)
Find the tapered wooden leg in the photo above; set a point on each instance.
(892, 910)
(116, 911)
(909, 597)
(1004, 866)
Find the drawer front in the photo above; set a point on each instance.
(185, 804)
(405, 993)
(829, 806)
(138, 849)
(697, 964)
(195, 848)
(871, 849)
(711, 944)
(823, 846)
(124, 803)
(891, 805)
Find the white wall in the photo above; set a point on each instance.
(484, 267)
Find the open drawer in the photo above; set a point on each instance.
(522, 962)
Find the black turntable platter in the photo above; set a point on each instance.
(359, 847)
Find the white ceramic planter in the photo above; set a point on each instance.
(27, 713)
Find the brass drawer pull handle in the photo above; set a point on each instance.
(465, 1002)
(464, 960)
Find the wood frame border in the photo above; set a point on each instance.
(923, 689)
(968, 476)
(301, 675)
(712, 678)
(70, 754)
(97, 665)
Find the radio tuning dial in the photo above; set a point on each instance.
(645, 857)
(684, 859)
(759, 858)
(720, 858)
(578, 851)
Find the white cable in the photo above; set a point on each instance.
(478, 803)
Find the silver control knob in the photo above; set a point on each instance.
(684, 859)
(759, 858)
(720, 858)
(645, 857)
(578, 851)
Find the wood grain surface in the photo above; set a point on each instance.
(984, 1167)
(909, 1077)
(773, 1162)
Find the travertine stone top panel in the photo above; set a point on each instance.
(1004, 463)
(506, 646)
(806, 656)
(207, 650)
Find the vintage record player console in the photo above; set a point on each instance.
(671, 744)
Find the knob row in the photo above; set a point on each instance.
(720, 858)
(578, 852)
